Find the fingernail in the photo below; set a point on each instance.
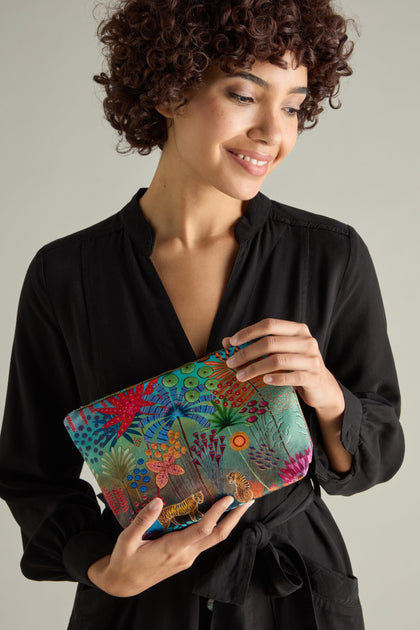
(240, 375)
(154, 505)
(246, 505)
(234, 340)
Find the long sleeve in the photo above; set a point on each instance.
(93, 318)
(39, 467)
(358, 353)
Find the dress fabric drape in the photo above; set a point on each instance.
(94, 317)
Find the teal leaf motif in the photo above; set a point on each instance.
(169, 405)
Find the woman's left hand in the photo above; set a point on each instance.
(292, 358)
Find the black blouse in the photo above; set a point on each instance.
(94, 317)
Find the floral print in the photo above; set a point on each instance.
(184, 433)
(164, 468)
(296, 468)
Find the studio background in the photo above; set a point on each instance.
(60, 173)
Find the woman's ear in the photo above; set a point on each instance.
(170, 110)
(165, 110)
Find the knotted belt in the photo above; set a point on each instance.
(285, 572)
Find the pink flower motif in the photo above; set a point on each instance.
(296, 467)
(164, 469)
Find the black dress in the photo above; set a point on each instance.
(94, 317)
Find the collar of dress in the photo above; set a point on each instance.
(142, 233)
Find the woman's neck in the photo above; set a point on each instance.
(191, 214)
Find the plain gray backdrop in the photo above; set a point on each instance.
(60, 173)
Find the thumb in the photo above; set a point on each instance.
(144, 519)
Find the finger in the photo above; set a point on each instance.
(279, 363)
(132, 536)
(274, 344)
(223, 528)
(288, 379)
(225, 342)
(207, 523)
(269, 326)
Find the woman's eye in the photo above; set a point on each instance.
(240, 98)
(291, 111)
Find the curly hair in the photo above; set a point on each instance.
(157, 49)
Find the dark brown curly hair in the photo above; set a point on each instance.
(157, 49)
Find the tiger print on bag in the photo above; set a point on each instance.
(188, 506)
(243, 491)
(182, 431)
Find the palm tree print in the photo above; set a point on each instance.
(118, 463)
(173, 404)
(224, 417)
(182, 427)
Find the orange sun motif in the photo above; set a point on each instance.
(239, 441)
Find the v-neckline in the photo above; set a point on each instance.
(219, 310)
(246, 227)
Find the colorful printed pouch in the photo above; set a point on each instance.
(190, 436)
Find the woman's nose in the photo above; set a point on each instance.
(267, 128)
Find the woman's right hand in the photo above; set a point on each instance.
(136, 564)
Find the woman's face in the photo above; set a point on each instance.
(235, 130)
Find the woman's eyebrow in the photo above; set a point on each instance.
(264, 84)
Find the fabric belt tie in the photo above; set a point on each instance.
(284, 568)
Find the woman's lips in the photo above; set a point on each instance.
(254, 169)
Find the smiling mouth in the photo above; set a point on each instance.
(246, 158)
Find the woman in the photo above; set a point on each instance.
(199, 259)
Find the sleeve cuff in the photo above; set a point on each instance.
(350, 435)
(82, 549)
(352, 420)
